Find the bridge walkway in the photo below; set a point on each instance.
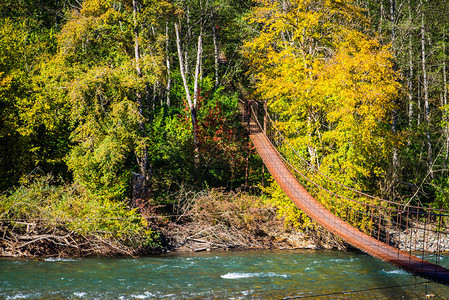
(315, 210)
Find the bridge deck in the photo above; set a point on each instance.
(315, 210)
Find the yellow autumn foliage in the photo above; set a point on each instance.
(333, 88)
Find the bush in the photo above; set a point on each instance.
(63, 213)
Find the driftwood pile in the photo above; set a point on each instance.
(31, 240)
(224, 221)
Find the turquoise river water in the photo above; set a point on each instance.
(288, 274)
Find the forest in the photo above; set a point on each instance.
(116, 114)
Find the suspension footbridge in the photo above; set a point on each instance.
(393, 232)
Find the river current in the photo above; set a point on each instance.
(225, 275)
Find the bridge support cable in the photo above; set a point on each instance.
(393, 232)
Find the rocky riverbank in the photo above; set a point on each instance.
(416, 239)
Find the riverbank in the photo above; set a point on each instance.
(193, 222)
(217, 220)
(196, 236)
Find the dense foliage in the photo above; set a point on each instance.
(43, 210)
(93, 92)
(360, 90)
(130, 101)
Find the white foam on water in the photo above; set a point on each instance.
(169, 296)
(146, 295)
(80, 294)
(396, 272)
(22, 296)
(238, 275)
(247, 293)
(60, 259)
(352, 259)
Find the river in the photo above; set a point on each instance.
(224, 275)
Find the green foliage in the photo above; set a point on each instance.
(222, 141)
(106, 131)
(94, 83)
(70, 207)
(223, 145)
(24, 45)
(170, 152)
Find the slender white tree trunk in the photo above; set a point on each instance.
(426, 92)
(446, 127)
(216, 53)
(411, 71)
(192, 104)
(182, 69)
(168, 66)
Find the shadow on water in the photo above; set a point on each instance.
(395, 287)
(392, 282)
(355, 275)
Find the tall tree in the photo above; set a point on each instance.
(108, 58)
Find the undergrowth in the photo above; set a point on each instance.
(65, 216)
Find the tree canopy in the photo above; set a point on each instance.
(135, 99)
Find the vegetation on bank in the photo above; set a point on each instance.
(124, 104)
(44, 217)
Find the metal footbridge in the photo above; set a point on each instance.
(409, 237)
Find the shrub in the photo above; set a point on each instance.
(45, 210)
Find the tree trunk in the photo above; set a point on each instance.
(167, 63)
(181, 67)
(195, 97)
(426, 93)
(445, 118)
(197, 69)
(410, 75)
(186, 40)
(394, 116)
(192, 104)
(140, 189)
(418, 105)
(312, 150)
(393, 23)
(216, 53)
(381, 16)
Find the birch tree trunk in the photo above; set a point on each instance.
(426, 92)
(394, 112)
(187, 38)
(197, 69)
(410, 75)
(192, 104)
(216, 53)
(381, 16)
(445, 119)
(168, 66)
